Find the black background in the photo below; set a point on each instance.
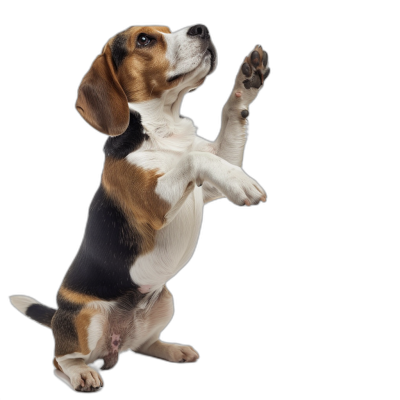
(237, 301)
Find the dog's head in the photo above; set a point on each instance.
(141, 64)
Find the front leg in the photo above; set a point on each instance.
(231, 140)
(198, 167)
(232, 137)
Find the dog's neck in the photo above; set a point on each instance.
(161, 117)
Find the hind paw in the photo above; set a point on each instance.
(86, 380)
(75, 372)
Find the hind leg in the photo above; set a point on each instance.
(171, 352)
(157, 319)
(76, 334)
(82, 377)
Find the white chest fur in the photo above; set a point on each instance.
(174, 245)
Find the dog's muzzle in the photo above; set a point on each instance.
(201, 32)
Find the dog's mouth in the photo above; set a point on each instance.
(213, 58)
(213, 53)
(175, 77)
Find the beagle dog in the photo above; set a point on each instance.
(145, 218)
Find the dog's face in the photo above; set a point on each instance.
(141, 64)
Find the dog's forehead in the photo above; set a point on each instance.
(135, 30)
(127, 38)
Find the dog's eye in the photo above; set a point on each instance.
(143, 40)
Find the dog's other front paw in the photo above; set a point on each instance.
(241, 189)
(255, 69)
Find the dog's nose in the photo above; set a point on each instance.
(199, 30)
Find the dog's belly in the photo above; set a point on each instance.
(125, 328)
(174, 246)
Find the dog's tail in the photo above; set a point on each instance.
(33, 309)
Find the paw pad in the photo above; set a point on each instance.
(255, 67)
(255, 58)
(246, 69)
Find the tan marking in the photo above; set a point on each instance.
(143, 72)
(133, 188)
(166, 292)
(82, 322)
(104, 92)
(75, 297)
(101, 100)
(68, 342)
(57, 365)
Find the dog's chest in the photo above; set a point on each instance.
(174, 245)
(179, 238)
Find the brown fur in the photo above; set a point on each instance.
(133, 188)
(74, 297)
(57, 365)
(82, 322)
(104, 92)
(101, 99)
(70, 325)
(64, 331)
(143, 73)
(70, 329)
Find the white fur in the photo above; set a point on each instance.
(184, 52)
(76, 354)
(100, 305)
(146, 328)
(174, 246)
(21, 303)
(186, 160)
(95, 330)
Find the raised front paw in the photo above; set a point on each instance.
(249, 81)
(255, 69)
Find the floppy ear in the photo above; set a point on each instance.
(101, 99)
